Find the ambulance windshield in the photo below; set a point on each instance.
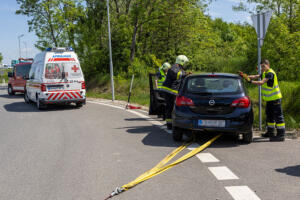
(63, 69)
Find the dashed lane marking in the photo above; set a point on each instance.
(222, 173)
(242, 193)
(207, 158)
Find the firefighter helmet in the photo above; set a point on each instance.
(182, 60)
(165, 66)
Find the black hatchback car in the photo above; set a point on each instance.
(213, 102)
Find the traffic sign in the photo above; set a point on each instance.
(261, 22)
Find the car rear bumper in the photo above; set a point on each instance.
(237, 124)
(44, 101)
(63, 97)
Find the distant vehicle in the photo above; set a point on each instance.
(56, 78)
(17, 81)
(213, 102)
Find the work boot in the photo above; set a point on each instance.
(279, 137)
(270, 133)
(169, 126)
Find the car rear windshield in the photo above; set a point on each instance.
(23, 70)
(215, 85)
(56, 70)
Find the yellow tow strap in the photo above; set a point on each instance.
(161, 166)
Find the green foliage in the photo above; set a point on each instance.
(146, 33)
(1, 57)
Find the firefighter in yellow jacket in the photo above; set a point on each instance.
(171, 85)
(272, 95)
(161, 75)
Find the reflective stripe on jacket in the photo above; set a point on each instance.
(161, 79)
(173, 79)
(271, 93)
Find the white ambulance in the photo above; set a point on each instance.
(55, 77)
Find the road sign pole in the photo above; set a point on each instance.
(259, 67)
(110, 56)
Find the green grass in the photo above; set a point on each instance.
(290, 103)
(100, 88)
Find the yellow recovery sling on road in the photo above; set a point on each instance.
(161, 166)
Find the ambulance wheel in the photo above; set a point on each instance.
(40, 105)
(78, 105)
(27, 100)
(10, 90)
(177, 133)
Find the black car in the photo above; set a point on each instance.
(213, 102)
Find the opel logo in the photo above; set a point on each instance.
(211, 102)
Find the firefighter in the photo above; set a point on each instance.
(171, 85)
(272, 95)
(161, 75)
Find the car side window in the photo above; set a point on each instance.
(32, 72)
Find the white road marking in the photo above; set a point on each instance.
(222, 173)
(106, 105)
(207, 158)
(242, 193)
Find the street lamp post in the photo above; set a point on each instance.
(19, 44)
(25, 49)
(110, 56)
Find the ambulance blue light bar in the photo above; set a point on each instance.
(60, 49)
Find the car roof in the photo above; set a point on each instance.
(229, 75)
(25, 63)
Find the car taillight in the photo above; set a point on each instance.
(43, 87)
(184, 101)
(83, 85)
(243, 102)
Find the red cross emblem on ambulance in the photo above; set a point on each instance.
(74, 68)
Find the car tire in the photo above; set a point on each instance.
(177, 133)
(26, 98)
(40, 105)
(247, 137)
(10, 90)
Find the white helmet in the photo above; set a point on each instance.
(181, 60)
(165, 66)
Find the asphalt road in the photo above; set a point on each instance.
(65, 153)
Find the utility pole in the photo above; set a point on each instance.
(110, 56)
(25, 49)
(19, 44)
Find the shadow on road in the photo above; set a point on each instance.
(292, 170)
(16, 96)
(24, 107)
(155, 136)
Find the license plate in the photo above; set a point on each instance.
(211, 123)
(55, 88)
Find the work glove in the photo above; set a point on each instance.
(245, 76)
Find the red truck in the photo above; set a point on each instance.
(16, 81)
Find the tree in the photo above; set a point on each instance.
(1, 57)
(51, 20)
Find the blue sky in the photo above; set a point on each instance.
(13, 25)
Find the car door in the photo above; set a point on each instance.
(157, 102)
